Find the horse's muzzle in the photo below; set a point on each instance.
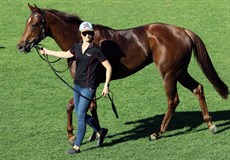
(24, 48)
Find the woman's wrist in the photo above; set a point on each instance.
(107, 85)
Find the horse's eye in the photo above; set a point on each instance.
(34, 25)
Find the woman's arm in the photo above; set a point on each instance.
(108, 68)
(59, 54)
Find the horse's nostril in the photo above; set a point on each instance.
(19, 47)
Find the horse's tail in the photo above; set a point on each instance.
(206, 65)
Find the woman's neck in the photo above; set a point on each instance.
(84, 46)
(87, 41)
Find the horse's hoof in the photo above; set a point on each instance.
(213, 128)
(153, 137)
(72, 140)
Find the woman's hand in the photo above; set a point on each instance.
(108, 67)
(42, 51)
(105, 91)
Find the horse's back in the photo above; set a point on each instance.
(132, 49)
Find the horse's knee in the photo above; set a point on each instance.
(93, 106)
(70, 105)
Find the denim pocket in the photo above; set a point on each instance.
(92, 90)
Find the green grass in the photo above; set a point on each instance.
(33, 100)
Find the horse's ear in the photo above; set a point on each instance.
(34, 9)
(31, 7)
(37, 9)
(35, 6)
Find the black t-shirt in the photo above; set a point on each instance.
(87, 63)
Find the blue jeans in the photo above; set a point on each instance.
(81, 105)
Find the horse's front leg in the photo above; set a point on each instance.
(70, 108)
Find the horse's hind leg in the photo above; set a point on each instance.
(173, 101)
(187, 81)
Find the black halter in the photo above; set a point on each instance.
(43, 25)
(42, 34)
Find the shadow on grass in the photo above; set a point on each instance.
(180, 120)
(1, 47)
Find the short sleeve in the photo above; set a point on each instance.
(73, 49)
(101, 56)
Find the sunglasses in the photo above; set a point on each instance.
(90, 33)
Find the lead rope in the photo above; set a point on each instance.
(46, 59)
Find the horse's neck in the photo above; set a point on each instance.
(64, 34)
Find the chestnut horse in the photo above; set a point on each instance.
(129, 50)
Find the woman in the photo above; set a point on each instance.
(88, 56)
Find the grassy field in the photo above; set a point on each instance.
(33, 100)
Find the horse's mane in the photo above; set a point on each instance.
(69, 18)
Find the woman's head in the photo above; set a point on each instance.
(87, 31)
(85, 26)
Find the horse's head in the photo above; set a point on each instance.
(34, 30)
